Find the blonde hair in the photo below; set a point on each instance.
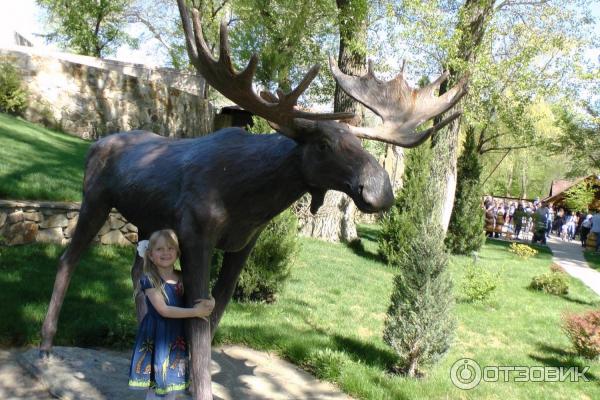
(150, 269)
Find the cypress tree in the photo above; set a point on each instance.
(419, 326)
(465, 231)
(399, 224)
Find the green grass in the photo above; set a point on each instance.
(592, 258)
(328, 320)
(38, 163)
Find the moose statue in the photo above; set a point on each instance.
(220, 190)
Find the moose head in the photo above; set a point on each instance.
(333, 158)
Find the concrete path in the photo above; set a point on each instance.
(570, 256)
(85, 374)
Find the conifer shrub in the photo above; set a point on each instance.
(13, 96)
(398, 225)
(584, 332)
(419, 325)
(269, 264)
(465, 230)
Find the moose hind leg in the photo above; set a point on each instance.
(91, 218)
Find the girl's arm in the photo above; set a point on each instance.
(200, 310)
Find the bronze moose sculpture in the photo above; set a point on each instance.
(219, 191)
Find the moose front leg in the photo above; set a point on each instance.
(228, 277)
(196, 255)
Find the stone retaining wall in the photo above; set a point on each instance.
(91, 97)
(24, 222)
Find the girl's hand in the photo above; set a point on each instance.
(204, 307)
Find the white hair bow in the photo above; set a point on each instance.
(142, 247)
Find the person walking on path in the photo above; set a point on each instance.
(585, 229)
(596, 228)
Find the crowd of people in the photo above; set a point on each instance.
(536, 221)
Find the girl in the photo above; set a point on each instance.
(160, 356)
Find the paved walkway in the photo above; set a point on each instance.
(238, 373)
(570, 256)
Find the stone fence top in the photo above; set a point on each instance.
(23, 222)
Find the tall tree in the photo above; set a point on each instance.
(335, 220)
(580, 139)
(512, 50)
(473, 20)
(88, 27)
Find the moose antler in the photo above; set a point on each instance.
(237, 87)
(401, 107)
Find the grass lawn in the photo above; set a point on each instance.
(39, 164)
(328, 320)
(593, 259)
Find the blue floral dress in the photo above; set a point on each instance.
(160, 355)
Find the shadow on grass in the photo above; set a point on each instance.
(576, 300)
(593, 259)
(558, 357)
(367, 234)
(57, 156)
(98, 308)
(358, 248)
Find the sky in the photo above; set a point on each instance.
(25, 17)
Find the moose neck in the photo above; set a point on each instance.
(270, 175)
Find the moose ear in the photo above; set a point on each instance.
(317, 199)
(300, 130)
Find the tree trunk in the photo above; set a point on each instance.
(473, 19)
(509, 181)
(393, 163)
(335, 220)
(443, 172)
(523, 182)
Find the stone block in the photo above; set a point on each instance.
(105, 229)
(115, 222)
(132, 237)
(32, 216)
(72, 214)
(14, 217)
(114, 237)
(50, 235)
(3, 217)
(30, 230)
(55, 221)
(71, 227)
(130, 228)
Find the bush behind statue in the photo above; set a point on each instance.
(13, 96)
(269, 264)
